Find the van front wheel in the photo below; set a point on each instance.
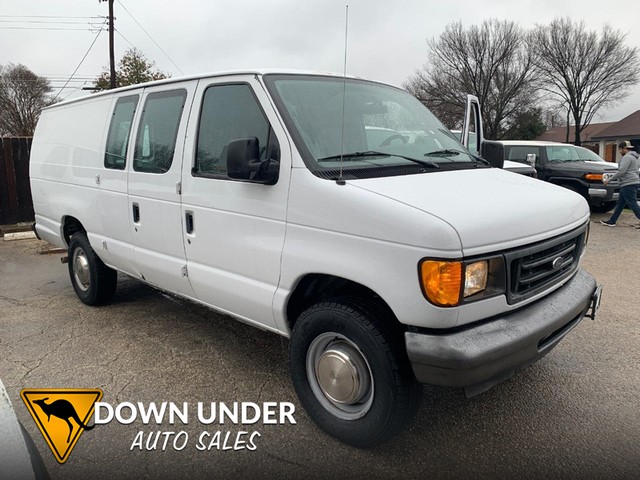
(92, 280)
(350, 370)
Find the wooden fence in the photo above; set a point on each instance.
(15, 192)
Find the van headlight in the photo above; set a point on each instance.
(475, 278)
(448, 283)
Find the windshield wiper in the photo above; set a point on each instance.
(373, 153)
(446, 152)
(482, 161)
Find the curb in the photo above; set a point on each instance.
(14, 228)
(8, 237)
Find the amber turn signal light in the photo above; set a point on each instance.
(593, 177)
(441, 282)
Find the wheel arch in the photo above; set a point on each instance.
(71, 225)
(314, 288)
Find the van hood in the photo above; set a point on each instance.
(490, 209)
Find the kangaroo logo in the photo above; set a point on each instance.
(64, 410)
(61, 415)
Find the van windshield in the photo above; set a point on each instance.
(383, 130)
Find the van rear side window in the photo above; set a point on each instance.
(119, 131)
(157, 131)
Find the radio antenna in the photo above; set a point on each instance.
(340, 180)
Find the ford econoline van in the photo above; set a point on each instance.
(337, 212)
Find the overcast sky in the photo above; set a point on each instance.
(387, 39)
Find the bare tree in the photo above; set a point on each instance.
(23, 94)
(489, 61)
(586, 71)
(133, 68)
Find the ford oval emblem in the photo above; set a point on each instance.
(557, 263)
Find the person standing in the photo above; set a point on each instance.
(629, 182)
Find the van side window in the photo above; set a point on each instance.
(230, 112)
(115, 154)
(157, 132)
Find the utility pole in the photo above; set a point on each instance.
(112, 56)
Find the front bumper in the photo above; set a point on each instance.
(488, 353)
(603, 194)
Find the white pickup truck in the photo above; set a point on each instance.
(259, 194)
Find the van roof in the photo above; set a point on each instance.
(167, 81)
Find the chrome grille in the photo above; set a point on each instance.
(537, 267)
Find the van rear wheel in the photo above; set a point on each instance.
(92, 280)
(350, 370)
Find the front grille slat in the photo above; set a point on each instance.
(549, 257)
(528, 279)
(537, 267)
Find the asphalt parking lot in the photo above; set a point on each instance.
(574, 414)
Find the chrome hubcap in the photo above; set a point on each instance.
(340, 376)
(81, 269)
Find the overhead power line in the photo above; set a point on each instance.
(63, 81)
(149, 35)
(55, 22)
(64, 77)
(18, 23)
(42, 16)
(78, 67)
(59, 23)
(125, 38)
(88, 29)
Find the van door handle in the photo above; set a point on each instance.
(189, 222)
(136, 213)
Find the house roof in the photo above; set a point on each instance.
(559, 134)
(627, 127)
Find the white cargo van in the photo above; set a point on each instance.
(269, 197)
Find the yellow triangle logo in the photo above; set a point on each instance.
(61, 414)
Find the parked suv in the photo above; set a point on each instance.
(576, 168)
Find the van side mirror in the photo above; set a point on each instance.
(243, 162)
(493, 152)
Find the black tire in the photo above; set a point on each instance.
(596, 208)
(92, 280)
(603, 207)
(359, 328)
